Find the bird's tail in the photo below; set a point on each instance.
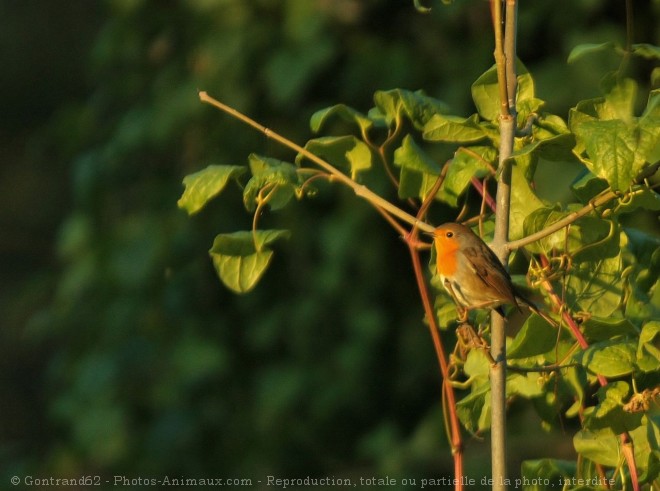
(531, 306)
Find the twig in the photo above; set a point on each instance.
(359, 189)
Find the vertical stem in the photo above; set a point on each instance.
(510, 53)
(498, 323)
(505, 59)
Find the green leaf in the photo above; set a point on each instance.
(544, 474)
(648, 349)
(204, 185)
(587, 239)
(454, 129)
(416, 106)
(411, 156)
(486, 95)
(477, 366)
(612, 150)
(596, 286)
(646, 438)
(603, 328)
(346, 152)
(601, 446)
(610, 358)
(587, 185)
(419, 171)
(421, 8)
(279, 177)
(345, 112)
(241, 258)
(586, 49)
(535, 338)
(524, 385)
(644, 281)
(610, 141)
(609, 413)
(474, 409)
(467, 163)
(648, 51)
(524, 202)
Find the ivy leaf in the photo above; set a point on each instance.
(609, 413)
(610, 141)
(345, 112)
(453, 129)
(524, 385)
(474, 409)
(418, 170)
(204, 185)
(281, 178)
(610, 358)
(241, 258)
(486, 95)
(596, 286)
(550, 471)
(648, 51)
(586, 49)
(648, 349)
(467, 163)
(601, 446)
(588, 238)
(603, 328)
(535, 338)
(416, 106)
(524, 202)
(345, 152)
(587, 185)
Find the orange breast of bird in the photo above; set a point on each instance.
(446, 256)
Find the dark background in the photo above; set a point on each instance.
(120, 351)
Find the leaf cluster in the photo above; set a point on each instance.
(593, 260)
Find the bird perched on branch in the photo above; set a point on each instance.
(472, 274)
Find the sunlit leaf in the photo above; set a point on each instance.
(241, 258)
(610, 141)
(204, 185)
(474, 409)
(453, 129)
(600, 329)
(535, 338)
(344, 112)
(524, 202)
(278, 179)
(345, 152)
(586, 49)
(601, 446)
(544, 473)
(648, 349)
(419, 170)
(416, 106)
(467, 163)
(486, 93)
(609, 412)
(596, 286)
(648, 51)
(610, 358)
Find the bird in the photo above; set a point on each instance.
(472, 274)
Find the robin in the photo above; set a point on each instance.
(471, 272)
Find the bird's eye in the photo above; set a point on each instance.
(450, 235)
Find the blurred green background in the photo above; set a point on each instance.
(120, 351)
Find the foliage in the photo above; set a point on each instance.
(122, 354)
(591, 259)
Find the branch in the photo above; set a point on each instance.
(599, 200)
(359, 189)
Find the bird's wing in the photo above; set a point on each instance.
(498, 279)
